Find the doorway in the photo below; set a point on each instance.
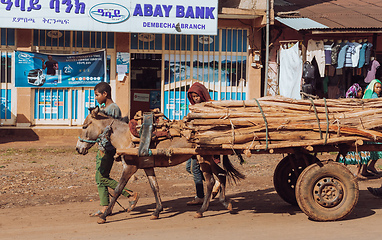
(145, 82)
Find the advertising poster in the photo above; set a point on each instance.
(52, 70)
(123, 64)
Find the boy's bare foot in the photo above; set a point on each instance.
(96, 214)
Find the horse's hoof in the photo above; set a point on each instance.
(101, 221)
(229, 207)
(198, 215)
(153, 217)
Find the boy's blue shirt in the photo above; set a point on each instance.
(112, 110)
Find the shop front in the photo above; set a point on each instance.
(165, 69)
(151, 54)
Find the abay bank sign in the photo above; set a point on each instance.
(160, 16)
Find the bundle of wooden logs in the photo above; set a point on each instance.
(278, 122)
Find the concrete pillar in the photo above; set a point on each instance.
(122, 90)
(24, 95)
(24, 107)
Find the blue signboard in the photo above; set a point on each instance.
(52, 70)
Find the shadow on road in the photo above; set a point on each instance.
(260, 201)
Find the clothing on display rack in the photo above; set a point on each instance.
(316, 49)
(342, 55)
(372, 71)
(355, 56)
(335, 50)
(350, 51)
(328, 53)
(362, 55)
(368, 53)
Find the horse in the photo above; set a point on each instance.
(97, 125)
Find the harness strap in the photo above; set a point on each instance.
(102, 139)
(86, 140)
(266, 125)
(146, 133)
(318, 119)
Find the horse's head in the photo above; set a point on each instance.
(92, 127)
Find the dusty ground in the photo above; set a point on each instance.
(47, 191)
(49, 173)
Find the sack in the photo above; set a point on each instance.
(307, 88)
(308, 71)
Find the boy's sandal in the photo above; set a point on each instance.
(134, 202)
(375, 191)
(96, 214)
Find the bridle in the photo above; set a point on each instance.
(103, 138)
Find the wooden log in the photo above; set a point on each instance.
(176, 151)
(306, 143)
(217, 139)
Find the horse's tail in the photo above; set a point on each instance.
(232, 173)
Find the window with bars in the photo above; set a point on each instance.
(57, 105)
(6, 67)
(77, 39)
(146, 41)
(219, 62)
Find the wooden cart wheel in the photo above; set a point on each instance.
(327, 191)
(286, 174)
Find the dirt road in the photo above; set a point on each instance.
(47, 192)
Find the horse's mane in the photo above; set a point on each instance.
(124, 119)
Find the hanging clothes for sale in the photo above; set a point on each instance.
(350, 51)
(368, 53)
(342, 55)
(355, 56)
(372, 71)
(316, 49)
(290, 71)
(362, 54)
(335, 50)
(328, 53)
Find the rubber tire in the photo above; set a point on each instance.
(285, 179)
(307, 181)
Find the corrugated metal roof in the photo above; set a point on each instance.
(300, 23)
(339, 14)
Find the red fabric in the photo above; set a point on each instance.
(133, 127)
(199, 89)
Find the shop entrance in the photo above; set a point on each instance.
(145, 82)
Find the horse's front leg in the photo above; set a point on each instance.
(150, 173)
(207, 173)
(128, 171)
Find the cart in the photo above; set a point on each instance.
(324, 190)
